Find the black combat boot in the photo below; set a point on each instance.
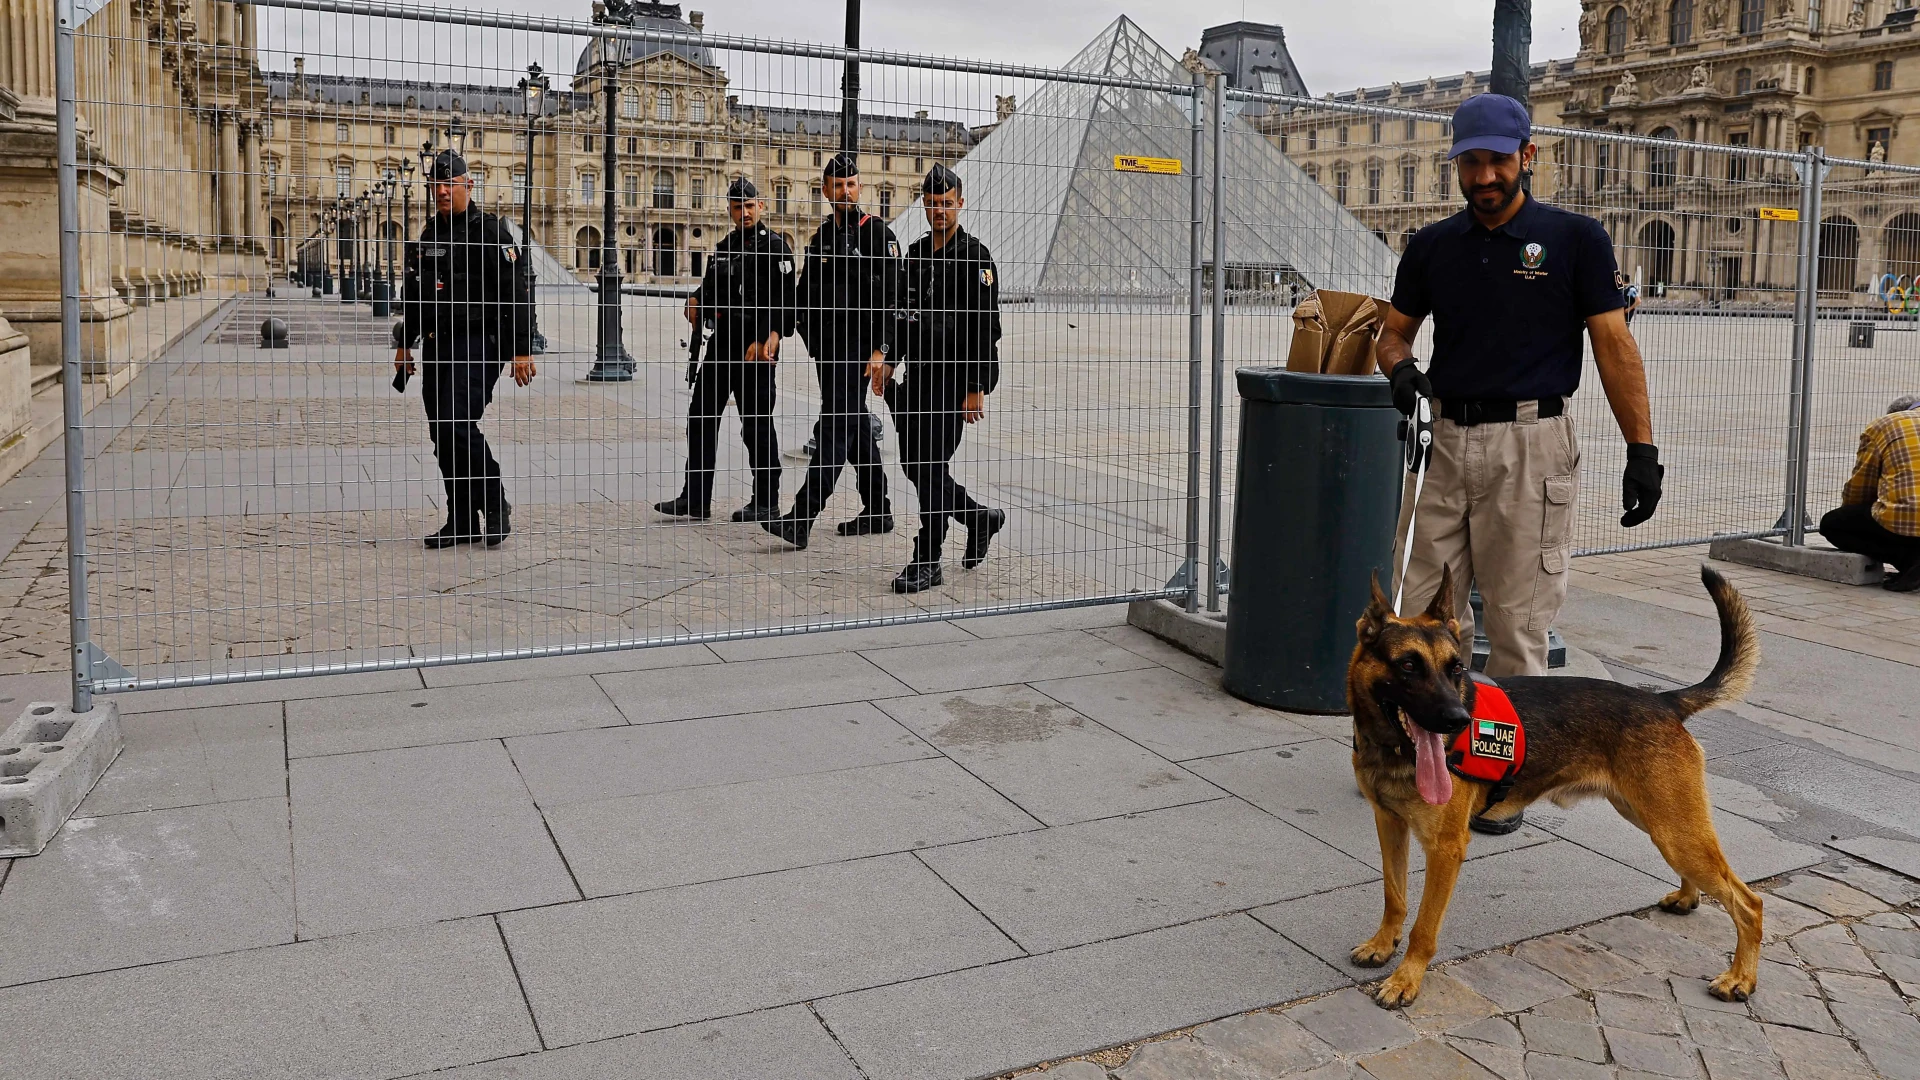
(794, 530)
(980, 532)
(918, 577)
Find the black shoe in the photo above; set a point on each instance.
(451, 534)
(1497, 828)
(980, 535)
(794, 530)
(754, 511)
(1906, 580)
(866, 524)
(682, 507)
(499, 524)
(917, 577)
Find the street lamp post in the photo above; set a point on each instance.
(533, 91)
(343, 241)
(383, 227)
(363, 244)
(610, 361)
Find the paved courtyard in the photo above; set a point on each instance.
(949, 849)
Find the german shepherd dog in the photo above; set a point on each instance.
(1408, 688)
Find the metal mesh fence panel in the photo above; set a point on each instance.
(254, 511)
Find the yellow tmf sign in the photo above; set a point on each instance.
(1776, 213)
(1133, 163)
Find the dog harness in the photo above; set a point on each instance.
(1493, 746)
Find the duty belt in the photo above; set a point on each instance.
(1471, 411)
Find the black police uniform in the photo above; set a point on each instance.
(748, 292)
(468, 295)
(950, 348)
(848, 299)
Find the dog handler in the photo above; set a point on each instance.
(1510, 282)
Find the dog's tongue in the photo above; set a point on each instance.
(1430, 773)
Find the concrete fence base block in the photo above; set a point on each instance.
(49, 759)
(1814, 562)
(1201, 633)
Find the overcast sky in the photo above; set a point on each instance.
(1338, 45)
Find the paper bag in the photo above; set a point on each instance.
(1333, 333)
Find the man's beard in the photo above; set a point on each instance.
(1508, 193)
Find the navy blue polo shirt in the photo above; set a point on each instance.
(1509, 304)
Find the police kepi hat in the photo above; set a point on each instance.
(1493, 122)
(940, 180)
(447, 165)
(843, 164)
(742, 189)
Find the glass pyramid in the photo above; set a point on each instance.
(1042, 192)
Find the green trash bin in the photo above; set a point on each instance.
(1314, 513)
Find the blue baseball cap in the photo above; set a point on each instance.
(1493, 122)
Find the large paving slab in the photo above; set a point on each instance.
(113, 892)
(1052, 761)
(1498, 900)
(1040, 622)
(1174, 716)
(1079, 883)
(406, 836)
(365, 1007)
(996, 661)
(833, 641)
(650, 697)
(554, 667)
(1310, 785)
(708, 833)
(445, 715)
(986, 1020)
(194, 756)
(627, 964)
(1751, 848)
(783, 1042)
(1876, 797)
(582, 766)
(247, 693)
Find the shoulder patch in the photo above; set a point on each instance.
(511, 253)
(786, 266)
(893, 248)
(986, 276)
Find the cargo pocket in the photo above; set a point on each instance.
(1556, 523)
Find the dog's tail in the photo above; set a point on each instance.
(1732, 674)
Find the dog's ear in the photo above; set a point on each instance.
(1374, 619)
(1441, 609)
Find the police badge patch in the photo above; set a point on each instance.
(1493, 739)
(893, 249)
(986, 276)
(511, 253)
(1532, 256)
(786, 266)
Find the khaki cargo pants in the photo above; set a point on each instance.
(1498, 508)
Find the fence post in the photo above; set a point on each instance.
(1194, 287)
(1805, 324)
(1218, 80)
(65, 126)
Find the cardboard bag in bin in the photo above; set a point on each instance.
(1333, 333)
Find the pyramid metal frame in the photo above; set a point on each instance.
(1063, 223)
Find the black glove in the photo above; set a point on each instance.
(1409, 384)
(1640, 487)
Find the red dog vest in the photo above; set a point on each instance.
(1493, 745)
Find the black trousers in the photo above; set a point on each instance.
(1852, 528)
(456, 383)
(845, 438)
(931, 421)
(751, 386)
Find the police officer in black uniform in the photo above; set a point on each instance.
(950, 346)
(469, 295)
(848, 300)
(747, 294)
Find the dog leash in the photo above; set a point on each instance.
(1419, 445)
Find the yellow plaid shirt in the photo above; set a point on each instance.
(1887, 473)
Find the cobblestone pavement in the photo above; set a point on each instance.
(1624, 998)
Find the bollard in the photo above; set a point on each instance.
(273, 333)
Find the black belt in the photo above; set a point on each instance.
(1471, 411)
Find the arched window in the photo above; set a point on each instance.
(663, 190)
(630, 104)
(1616, 31)
(1663, 162)
(663, 105)
(697, 109)
(1839, 254)
(1680, 22)
(1374, 173)
(1342, 180)
(1656, 248)
(1903, 246)
(586, 248)
(1743, 81)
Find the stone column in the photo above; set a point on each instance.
(229, 172)
(254, 234)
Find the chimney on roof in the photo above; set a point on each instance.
(697, 20)
(919, 114)
(733, 102)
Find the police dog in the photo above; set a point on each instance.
(1409, 692)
